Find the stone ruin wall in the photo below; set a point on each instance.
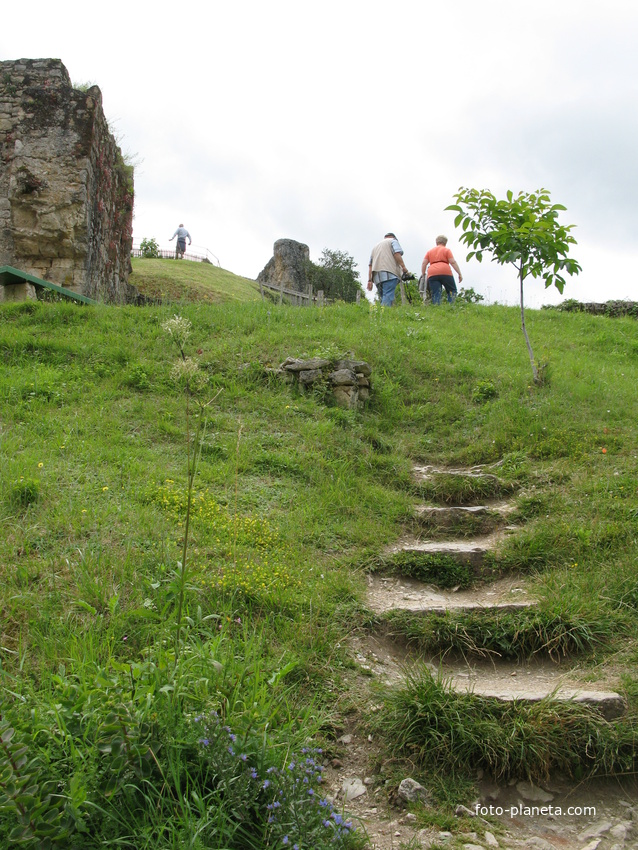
(66, 195)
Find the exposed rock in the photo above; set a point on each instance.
(593, 844)
(292, 364)
(412, 791)
(596, 829)
(490, 840)
(463, 811)
(532, 793)
(310, 376)
(353, 788)
(620, 831)
(355, 366)
(537, 843)
(343, 377)
(287, 267)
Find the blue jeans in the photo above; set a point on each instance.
(386, 291)
(437, 282)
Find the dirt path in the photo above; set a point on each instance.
(598, 815)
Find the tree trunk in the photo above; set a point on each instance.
(529, 347)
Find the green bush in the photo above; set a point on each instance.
(149, 249)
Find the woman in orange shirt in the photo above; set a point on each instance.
(441, 262)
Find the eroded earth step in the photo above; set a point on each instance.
(390, 593)
(391, 662)
(471, 551)
(427, 471)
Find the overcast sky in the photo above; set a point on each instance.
(332, 122)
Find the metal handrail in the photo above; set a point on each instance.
(169, 254)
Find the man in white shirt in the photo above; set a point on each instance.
(386, 268)
(180, 246)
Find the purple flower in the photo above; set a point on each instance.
(253, 773)
(285, 839)
(311, 792)
(266, 784)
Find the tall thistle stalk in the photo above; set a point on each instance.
(186, 372)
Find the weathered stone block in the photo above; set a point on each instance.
(69, 193)
(355, 366)
(309, 376)
(343, 377)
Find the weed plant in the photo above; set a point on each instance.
(503, 634)
(443, 730)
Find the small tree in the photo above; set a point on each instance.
(336, 275)
(521, 230)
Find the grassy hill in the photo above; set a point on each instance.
(156, 730)
(178, 280)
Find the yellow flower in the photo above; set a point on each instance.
(40, 465)
(104, 489)
(83, 510)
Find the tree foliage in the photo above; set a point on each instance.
(149, 249)
(336, 275)
(522, 230)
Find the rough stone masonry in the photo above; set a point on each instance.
(66, 195)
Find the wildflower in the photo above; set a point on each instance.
(266, 784)
(253, 773)
(285, 839)
(178, 328)
(104, 489)
(40, 465)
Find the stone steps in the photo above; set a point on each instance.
(391, 661)
(490, 677)
(389, 593)
(471, 552)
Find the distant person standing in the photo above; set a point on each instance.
(386, 268)
(439, 274)
(180, 246)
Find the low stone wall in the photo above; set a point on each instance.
(348, 380)
(66, 195)
(610, 309)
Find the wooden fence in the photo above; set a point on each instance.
(298, 299)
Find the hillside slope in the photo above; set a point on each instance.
(183, 280)
(144, 653)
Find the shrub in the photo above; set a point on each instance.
(149, 249)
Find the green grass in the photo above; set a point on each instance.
(183, 280)
(439, 729)
(294, 498)
(506, 634)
